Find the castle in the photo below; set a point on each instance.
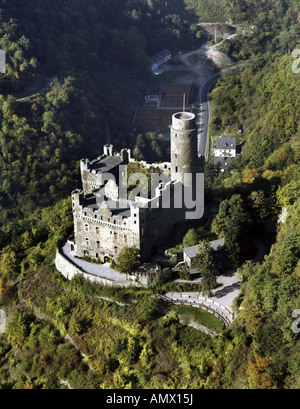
(106, 219)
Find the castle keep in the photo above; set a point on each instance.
(106, 220)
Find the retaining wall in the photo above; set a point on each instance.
(69, 270)
(215, 308)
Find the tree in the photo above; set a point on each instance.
(9, 266)
(232, 222)
(258, 373)
(127, 259)
(191, 238)
(289, 193)
(258, 203)
(1, 286)
(206, 266)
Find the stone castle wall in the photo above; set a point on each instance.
(70, 270)
(101, 233)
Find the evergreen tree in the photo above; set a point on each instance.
(206, 266)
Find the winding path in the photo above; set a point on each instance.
(197, 61)
(33, 92)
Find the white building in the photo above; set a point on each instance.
(225, 151)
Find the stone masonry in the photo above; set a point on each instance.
(105, 220)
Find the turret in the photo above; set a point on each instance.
(126, 155)
(108, 150)
(84, 164)
(184, 156)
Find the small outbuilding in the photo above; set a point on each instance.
(190, 253)
(160, 58)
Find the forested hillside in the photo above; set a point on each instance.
(95, 53)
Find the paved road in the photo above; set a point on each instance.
(101, 270)
(227, 290)
(32, 91)
(203, 113)
(204, 78)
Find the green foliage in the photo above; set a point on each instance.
(232, 223)
(264, 98)
(201, 316)
(95, 62)
(127, 259)
(191, 238)
(149, 147)
(138, 344)
(206, 265)
(208, 10)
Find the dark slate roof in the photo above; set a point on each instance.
(224, 161)
(105, 164)
(226, 143)
(193, 250)
(159, 56)
(90, 201)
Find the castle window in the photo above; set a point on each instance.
(125, 238)
(116, 250)
(176, 169)
(97, 230)
(98, 244)
(115, 236)
(175, 155)
(86, 227)
(87, 241)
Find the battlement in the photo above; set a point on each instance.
(183, 121)
(106, 219)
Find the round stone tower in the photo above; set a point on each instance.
(184, 156)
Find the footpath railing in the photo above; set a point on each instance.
(212, 306)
